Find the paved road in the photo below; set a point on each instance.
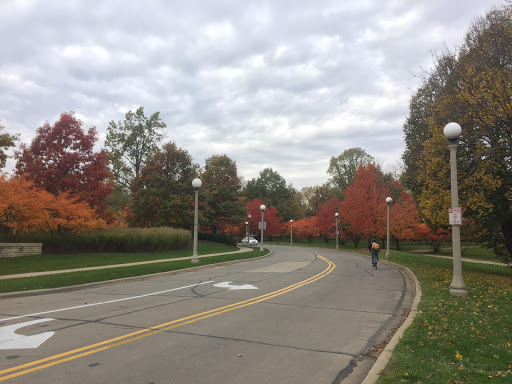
(299, 316)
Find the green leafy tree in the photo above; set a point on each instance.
(343, 168)
(272, 189)
(131, 142)
(221, 193)
(6, 142)
(474, 88)
(163, 193)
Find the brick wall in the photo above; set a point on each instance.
(20, 249)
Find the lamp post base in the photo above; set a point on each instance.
(388, 254)
(458, 291)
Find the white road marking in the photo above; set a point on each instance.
(11, 340)
(103, 302)
(226, 284)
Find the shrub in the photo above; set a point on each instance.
(217, 238)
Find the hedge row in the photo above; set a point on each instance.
(117, 240)
(217, 238)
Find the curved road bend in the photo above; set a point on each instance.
(299, 316)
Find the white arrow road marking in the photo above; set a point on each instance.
(11, 340)
(226, 284)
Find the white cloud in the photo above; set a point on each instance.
(285, 84)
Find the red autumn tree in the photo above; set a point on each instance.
(271, 217)
(364, 208)
(435, 240)
(61, 158)
(326, 219)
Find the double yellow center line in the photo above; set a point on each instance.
(47, 362)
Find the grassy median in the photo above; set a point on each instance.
(91, 259)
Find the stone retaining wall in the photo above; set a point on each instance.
(20, 249)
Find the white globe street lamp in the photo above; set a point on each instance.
(336, 214)
(196, 183)
(388, 253)
(457, 288)
(262, 207)
(249, 217)
(247, 232)
(291, 232)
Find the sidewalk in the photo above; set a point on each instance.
(33, 274)
(466, 260)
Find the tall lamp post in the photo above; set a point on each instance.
(388, 253)
(247, 232)
(457, 288)
(291, 232)
(196, 183)
(336, 214)
(249, 221)
(262, 207)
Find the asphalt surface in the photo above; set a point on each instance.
(299, 316)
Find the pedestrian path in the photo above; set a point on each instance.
(468, 260)
(44, 273)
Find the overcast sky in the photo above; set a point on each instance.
(280, 84)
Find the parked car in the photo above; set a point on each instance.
(252, 242)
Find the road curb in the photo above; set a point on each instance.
(383, 359)
(38, 292)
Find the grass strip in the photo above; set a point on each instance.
(83, 277)
(55, 262)
(455, 339)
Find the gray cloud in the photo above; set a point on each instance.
(281, 84)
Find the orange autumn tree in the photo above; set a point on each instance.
(306, 229)
(404, 216)
(25, 208)
(69, 214)
(21, 207)
(364, 209)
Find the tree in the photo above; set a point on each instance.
(6, 142)
(404, 217)
(343, 168)
(306, 229)
(221, 193)
(364, 209)
(309, 199)
(61, 158)
(131, 142)
(271, 188)
(163, 193)
(475, 91)
(326, 219)
(26, 208)
(271, 217)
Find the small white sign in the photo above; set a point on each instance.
(264, 225)
(455, 216)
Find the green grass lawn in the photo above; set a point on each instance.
(41, 263)
(455, 339)
(83, 277)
